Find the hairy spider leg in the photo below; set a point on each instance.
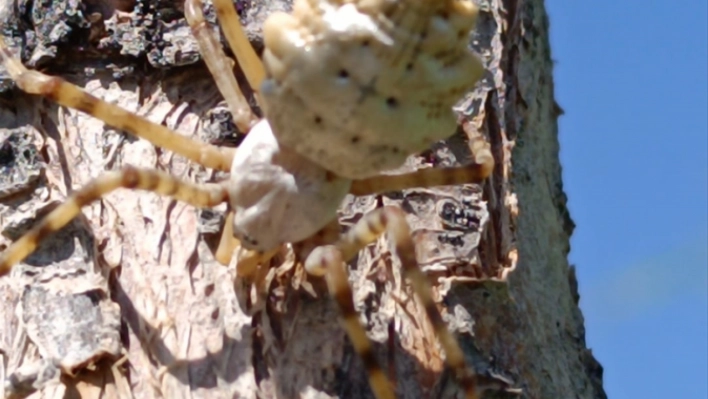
(220, 66)
(331, 264)
(246, 56)
(329, 261)
(69, 95)
(199, 195)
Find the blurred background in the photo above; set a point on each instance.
(632, 77)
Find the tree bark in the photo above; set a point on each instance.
(130, 300)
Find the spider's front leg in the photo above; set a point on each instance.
(329, 261)
(199, 195)
(69, 95)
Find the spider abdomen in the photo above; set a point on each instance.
(359, 87)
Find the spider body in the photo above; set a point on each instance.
(286, 183)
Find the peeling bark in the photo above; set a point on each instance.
(138, 271)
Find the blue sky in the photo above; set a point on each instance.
(632, 77)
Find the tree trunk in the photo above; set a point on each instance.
(131, 301)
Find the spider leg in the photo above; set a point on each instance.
(69, 95)
(245, 54)
(249, 260)
(227, 243)
(220, 66)
(329, 261)
(199, 195)
(475, 172)
(221, 69)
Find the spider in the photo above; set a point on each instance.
(288, 180)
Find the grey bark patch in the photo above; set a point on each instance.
(31, 378)
(20, 164)
(70, 318)
(64, 310)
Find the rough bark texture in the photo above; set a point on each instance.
(130, 300)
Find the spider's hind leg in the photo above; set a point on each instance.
(247, 58)
(200, 195)
(221, 69)
(219, 65)
(329, 261)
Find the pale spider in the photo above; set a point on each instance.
(278, 194)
